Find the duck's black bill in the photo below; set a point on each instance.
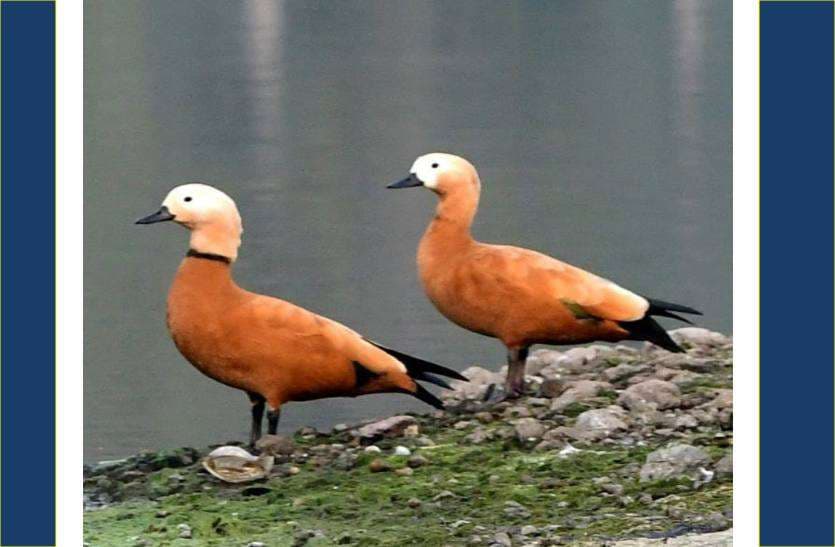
(409, 182)
(162, 215)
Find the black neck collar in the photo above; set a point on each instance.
(208, 256)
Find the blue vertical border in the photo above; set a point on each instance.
(27, 279)
(796, 274)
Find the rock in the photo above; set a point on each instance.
(414, 503)
(390, 427)
(372, 449)
(651, 394)
(483, 417)
(579, 391)
(528, 429)
(276, 445)
(256, 544)
(479, 378)
(180, 457)
(674, 461)
(550, 388)
(528, 530)
(479, 436)
(686, 421)
(623, 372)
(695, 336)
(404, 472)
(443, 495)
(184, 531)
(402, 451)
(379, 465)
(725, 466)
(516, 510)
(613, 489)
(417, 461)
(599, 423)
(541, 358)
(411, 431)
(502, 539)
(724, 400)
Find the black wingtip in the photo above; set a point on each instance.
(431, 378)
(426, 396)
(415, 364)
(656, 306)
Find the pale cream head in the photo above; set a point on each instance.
(210, 214)
(443, 173)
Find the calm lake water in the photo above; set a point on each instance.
(601, 130)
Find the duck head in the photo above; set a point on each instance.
(210, 215)
(442, 173)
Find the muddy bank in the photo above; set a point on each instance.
(609, 443)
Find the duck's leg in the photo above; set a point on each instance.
(257, 417)
(515, 382)
(273, 414)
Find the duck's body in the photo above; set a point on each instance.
(520, 296)
(273, 350)
(270, 347)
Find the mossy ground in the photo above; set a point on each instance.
(463, 487)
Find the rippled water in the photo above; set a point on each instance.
(601, 130)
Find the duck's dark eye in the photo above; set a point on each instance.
(187, 198)
(434, 166)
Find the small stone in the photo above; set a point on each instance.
(162, 514)
(725, 466)
(483, 417)
(184, 531)
(340, 428)
(404, 472)
(390, 427)
(445, 494)
(502, 539)
(463, 424)
(696, 336)
(458, 524)
(417, 461)
(651, 393)
(411, 431)
(613, 489)
(276, 445)
(550, 388)
(528, 530)
(414, 503)
(674, 460)
(372, 449)
(529, 430)
(402, 451)
(379, 465)
(516, 509)
(599, 423)
(577, 392)
(686, 421)
(256, 544)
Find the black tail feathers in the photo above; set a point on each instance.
(416, 366)
(424, 371)
(648, 329)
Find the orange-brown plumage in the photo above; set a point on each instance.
(275, 351)
(517, 295)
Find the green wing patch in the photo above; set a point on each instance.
(577, 310)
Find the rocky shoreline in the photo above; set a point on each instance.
(611, 445)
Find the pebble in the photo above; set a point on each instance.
(404, 471)
(402, 451)
(372, 449)
(184, 531)
(414, 503)
(417, 461)
(379, 465)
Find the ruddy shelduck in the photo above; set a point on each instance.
(273, 350)
(517, 295)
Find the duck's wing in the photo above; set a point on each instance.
(582, 292)
(318, 335)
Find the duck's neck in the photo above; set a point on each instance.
(218, 238)
(203, 274)
(450, 230)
